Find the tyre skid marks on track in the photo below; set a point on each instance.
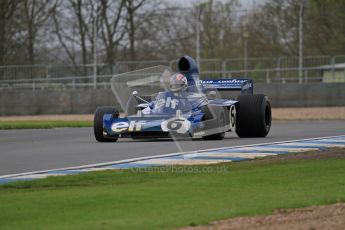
(189, 161)
(277, 148)
(311, 145)
(209, 156)
(235, 154)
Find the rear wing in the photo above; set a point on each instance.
(244, 85)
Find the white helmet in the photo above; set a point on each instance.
(178, 82)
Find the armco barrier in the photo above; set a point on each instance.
(82, 101)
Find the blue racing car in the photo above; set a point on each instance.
(180, 105)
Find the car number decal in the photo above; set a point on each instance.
(176, 124)
(232, 116)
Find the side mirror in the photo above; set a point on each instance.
(136, 95)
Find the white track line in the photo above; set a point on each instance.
(154, 157)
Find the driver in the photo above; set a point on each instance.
(178, 83)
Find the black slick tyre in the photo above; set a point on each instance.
(253, 116)
(98, 128)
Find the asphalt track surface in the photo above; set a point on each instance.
(34, 150)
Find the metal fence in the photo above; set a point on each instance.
(263, 70)
(59, 71)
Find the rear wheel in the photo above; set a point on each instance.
(98, 129)
(253, 116)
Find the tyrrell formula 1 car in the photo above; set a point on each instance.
(180, 105)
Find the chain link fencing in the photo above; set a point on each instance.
(261, 70)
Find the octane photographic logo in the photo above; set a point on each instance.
(180, 169)
(127, 126)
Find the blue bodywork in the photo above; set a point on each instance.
(185, 110)
(166, 106)
(180, 113)
(189, 68)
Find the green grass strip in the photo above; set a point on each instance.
(42, 124)
(128, 199)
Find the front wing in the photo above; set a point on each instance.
(160, 126)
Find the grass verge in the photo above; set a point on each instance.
(42, 124)
(167, 199)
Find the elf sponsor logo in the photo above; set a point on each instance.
(168, 103)
(127, 126)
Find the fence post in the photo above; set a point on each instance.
(268, 80)
(224, 69)
(333, 67)
(229, 72)
(278, 68)
(171, 64)
(47, 71)
(95, 76)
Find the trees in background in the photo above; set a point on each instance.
(112, 28)
(7, 35)
(32, 16)
(274, 28)
(325, 27)
(58, 31)
(220, 32)
(132, 6)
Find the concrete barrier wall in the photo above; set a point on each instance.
(54, 102)
(304, 95)
(27, 102)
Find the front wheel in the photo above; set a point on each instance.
(254, 116)
(98, 129)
